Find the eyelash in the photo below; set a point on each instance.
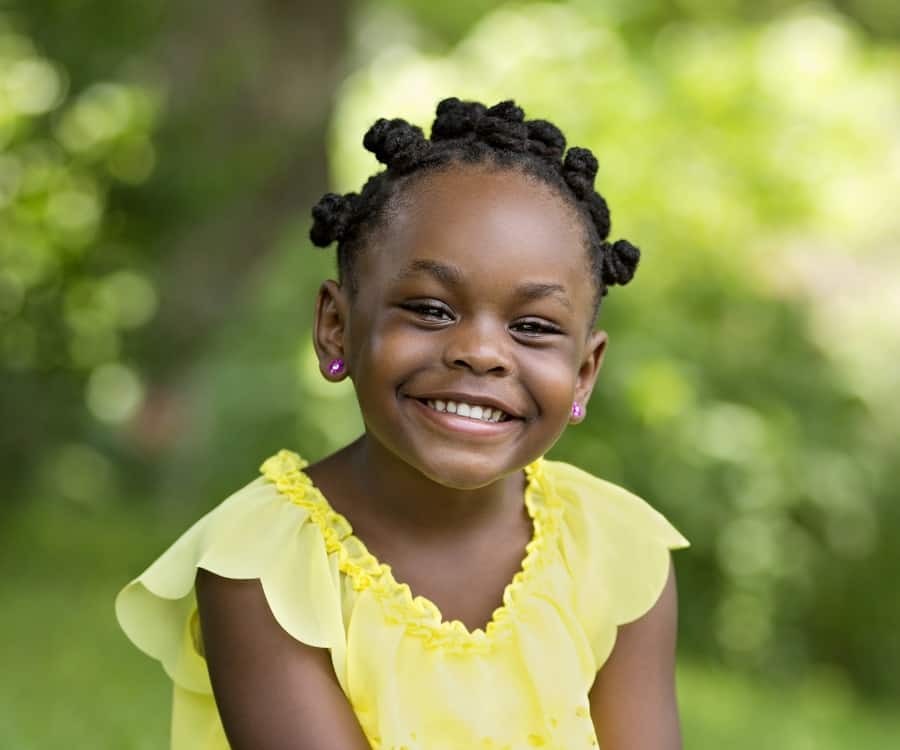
(537, 327)
(434, 312)
(427, 310)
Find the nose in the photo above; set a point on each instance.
(481, 346)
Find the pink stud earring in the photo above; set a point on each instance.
(577, 410)
(336, 367)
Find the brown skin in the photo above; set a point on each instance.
(633, 701)
(478, 286)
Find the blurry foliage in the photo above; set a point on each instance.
(750, 149)
(145, 176)
(67, 289)
(440, 26)
(73, 283)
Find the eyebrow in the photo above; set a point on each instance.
(453, 276)
(533, 290)
(447, 274)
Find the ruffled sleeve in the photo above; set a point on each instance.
(257, 532)
(617, 547)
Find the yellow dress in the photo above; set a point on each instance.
(598, 558)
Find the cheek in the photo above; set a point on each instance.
(551, 376)
(391, 350)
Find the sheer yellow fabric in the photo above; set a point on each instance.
(598, 558)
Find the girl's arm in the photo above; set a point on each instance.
(272, 692)
(633, 702)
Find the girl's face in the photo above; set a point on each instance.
(477, 291)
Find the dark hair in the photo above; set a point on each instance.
(471, 133)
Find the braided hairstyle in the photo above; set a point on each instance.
(470, 133)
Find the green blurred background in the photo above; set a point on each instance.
(157, 166)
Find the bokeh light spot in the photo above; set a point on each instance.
(82, 475)
(743, 622)
(33, 86)
(132, 296)
(114, 392)
(74, 210)
(660, 391)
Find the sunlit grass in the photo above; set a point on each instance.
(724, 709)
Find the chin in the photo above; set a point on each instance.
(464, 470)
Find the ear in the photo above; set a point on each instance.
(594, 349)
(330, 326)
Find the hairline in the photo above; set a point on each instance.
(398, 188)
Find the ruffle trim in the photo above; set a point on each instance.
(421, 617)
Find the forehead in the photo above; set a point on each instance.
(498, 227)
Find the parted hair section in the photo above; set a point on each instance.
(470, 133)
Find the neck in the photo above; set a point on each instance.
(402, 498)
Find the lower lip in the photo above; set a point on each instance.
(456, 423)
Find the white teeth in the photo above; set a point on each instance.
(472, 411)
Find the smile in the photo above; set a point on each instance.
(471, 411)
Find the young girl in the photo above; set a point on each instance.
(436, 584)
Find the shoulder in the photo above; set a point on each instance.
(261, 534)
(602, 508)
(617, 546)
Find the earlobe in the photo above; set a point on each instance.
(330, 330)
(595, 348)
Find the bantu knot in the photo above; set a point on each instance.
(620, 261)
(579, 170)
(331, 218)
(456, 119)
(506, 110)
(545, 139)
(396, 143)
(599, 211)
(503, 126)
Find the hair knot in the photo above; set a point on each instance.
(579, 170)
(599, 212)
(397, 144)
(332, 217)
(620, 261)
(502, 126)
(545, 140)
(456, 119)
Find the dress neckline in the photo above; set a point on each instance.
(421, 616)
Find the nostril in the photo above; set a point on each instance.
(481, 362)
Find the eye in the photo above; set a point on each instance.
(535, 327)
(430, 310)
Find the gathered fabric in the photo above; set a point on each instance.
(598, 558)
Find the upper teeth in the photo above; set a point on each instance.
(473, 411)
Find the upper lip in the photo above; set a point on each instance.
(470, 398)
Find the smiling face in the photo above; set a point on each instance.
(476, 297)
